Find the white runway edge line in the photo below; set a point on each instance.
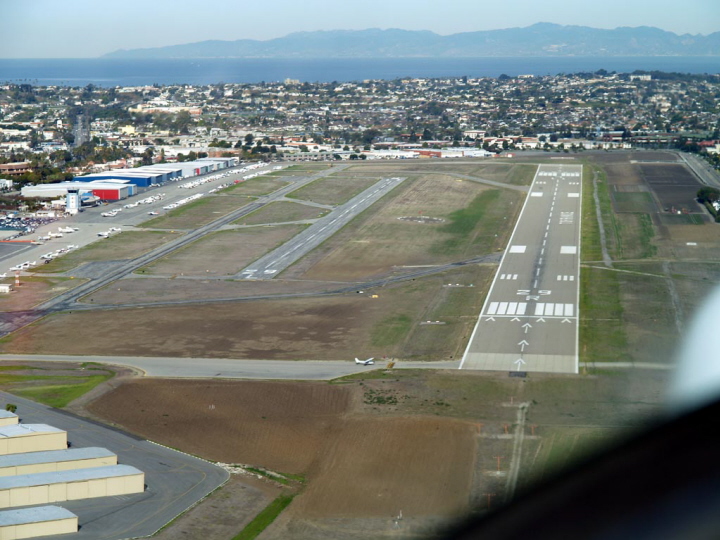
(492, 285)
(577, 271)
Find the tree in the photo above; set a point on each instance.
(249, 139)
(11, 407)
(708, 194)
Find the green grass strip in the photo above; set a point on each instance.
(59, 395)
(265, 518)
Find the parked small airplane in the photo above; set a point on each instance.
(3, 275)
(368, 362)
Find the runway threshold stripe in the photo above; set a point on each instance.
(492, 310)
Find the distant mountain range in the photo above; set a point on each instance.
(542, 39)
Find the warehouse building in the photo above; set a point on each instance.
(36, 522)
(55, 460)
(104, 190)
(43, 488)
(140, 178)
(31, 438)
(8, 418)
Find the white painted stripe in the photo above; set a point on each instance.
(560, 278)
(569, 308)
(559, 308)
(521, 308)
(512, 307)
(536, 194)
(492, 310)
(549, 309)
(539, 308)
(515, 276)
(565, 278)
(502, 276)
(568, 250)
(502, 308)
(573, 195)
(572, 278)
(517, 249)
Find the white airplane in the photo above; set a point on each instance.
(368, 362)
(152, 213)
(103, 234)
(3, 275)
(66, 229)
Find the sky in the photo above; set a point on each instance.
(90, 28)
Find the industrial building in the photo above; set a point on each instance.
(44, 488)
(31, 438)
(55, 460)
(36, 522)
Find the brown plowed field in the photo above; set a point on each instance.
(281, 426)
(356, 464)
(378, 466)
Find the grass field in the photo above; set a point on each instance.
(126, 245)
(52, 386)
(282, 211)
(223, 253)
(254, 187)
(197, 213)
(428, 220)
(634, 202)
(332, 190)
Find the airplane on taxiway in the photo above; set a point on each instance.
(368, 362)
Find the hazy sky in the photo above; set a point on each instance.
(87, 28)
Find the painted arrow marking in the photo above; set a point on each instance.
(566, 321)
(490, 319)
(519, 363)
(523, 344)
(527, 326)
(540, 320)
(514, 319)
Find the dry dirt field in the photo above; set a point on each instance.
(34, 290)
(313, 429)
(380, 241)
(137, 289)
(222, 253)
(370, 445)
(323, 328)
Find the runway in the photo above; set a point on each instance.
(271, 264)
(529, 321)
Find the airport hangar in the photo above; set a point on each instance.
(37, 467)
(123, 183)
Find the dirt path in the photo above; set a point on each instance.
(601, 227)
(519, 437)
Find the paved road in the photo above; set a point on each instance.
(271, 264)
(175, 481)
(530, 318)
(201, 368)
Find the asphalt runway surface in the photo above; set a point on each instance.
(175, 481)
(529, 321)
(271, 264)
(225, 368)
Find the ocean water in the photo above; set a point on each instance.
(116, 72)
